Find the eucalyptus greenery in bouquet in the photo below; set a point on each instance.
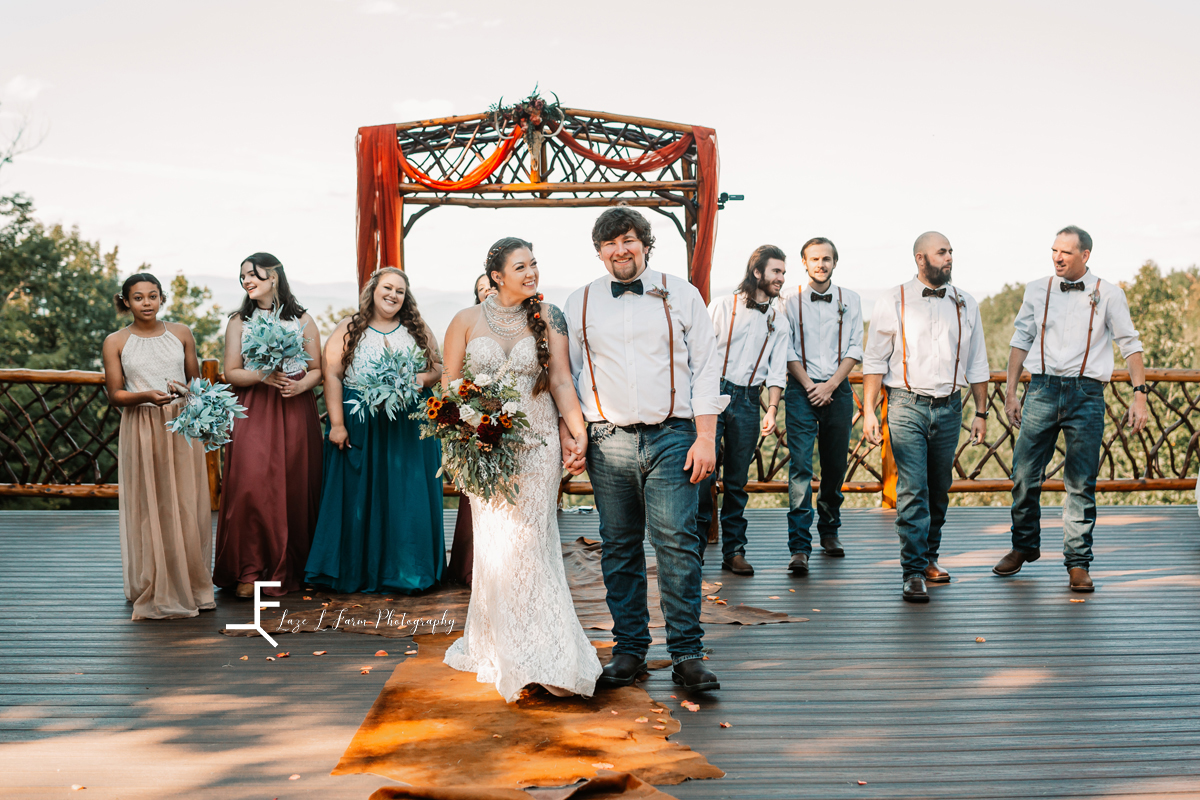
(267, 342)
(388, 380)
(208, 413)
(479, 421)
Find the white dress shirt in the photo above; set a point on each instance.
(630, 353)
(1067, 327)
(930, 331)
(757, 345)
(819, 353)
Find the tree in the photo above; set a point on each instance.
(997, 313)
(1160, 310)
(184, 304)
(58, 288)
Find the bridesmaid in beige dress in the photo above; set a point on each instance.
(166, 522)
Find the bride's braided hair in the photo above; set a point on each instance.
(495, 262)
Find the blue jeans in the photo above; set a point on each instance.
(738, 426)
(829, 428)
(1074, 406)
(924, 439)
(641, 489)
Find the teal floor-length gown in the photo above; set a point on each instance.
(380, 524)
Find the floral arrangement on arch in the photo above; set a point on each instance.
(480, 423)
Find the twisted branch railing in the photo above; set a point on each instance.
(59, 434)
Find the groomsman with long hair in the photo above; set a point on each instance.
(752, 351)
(826, 327)
(926, 344)
(1064, 337)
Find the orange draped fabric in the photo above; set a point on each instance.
(380, 206)
(653, 159)
(472, 178)
(709, 173)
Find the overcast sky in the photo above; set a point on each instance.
(192, 134)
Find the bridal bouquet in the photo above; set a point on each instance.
(208, 413)
(479, 422)
(389, 380)
(267, 342)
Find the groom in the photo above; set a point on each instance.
(643, 358)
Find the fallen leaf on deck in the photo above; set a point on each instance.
(244, 658)
(325, 604)
(862, 783)
(690, 706)
(711, 597)
(614, 713)
(306, 597)
(816, 609)
(980, 639)
(75, 787)
(495, 736)
(722, 603)
(642, 719)
(773, 597)
(726, 725)
(358, 605)
(602, 765)
(365, 671)
(791, 590)
(270, 658)
(410, 652)
(319, 652)
(380, 653)
(1078, 600)
(284, 655)
(718, 583)
(660, 727)
(294, 777)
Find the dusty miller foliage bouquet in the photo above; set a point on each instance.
(479, 422)
(208, 413)
(388, 381)
(268, 343)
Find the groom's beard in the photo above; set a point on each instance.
(627, 271)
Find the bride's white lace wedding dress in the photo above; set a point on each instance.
(521, 625)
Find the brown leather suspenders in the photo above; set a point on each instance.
(904, 341)
(587, 350)
(1091, 323)
(729, 341)
(800, 314)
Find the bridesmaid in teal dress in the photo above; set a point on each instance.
(380, 524)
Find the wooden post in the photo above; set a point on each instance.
(890, 476)
(210, 369)
(689, 217)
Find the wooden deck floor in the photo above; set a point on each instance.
(1093, 699)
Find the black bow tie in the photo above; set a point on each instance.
(822, 298)
(763, 307)
(1067, 286)
(619, 288)
(934, 292)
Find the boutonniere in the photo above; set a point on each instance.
(842, 309)
(658, 291)
(771, 324)
(962, 301)
(1095, 295)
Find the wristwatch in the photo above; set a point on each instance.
(1143, 388)
(981, 414)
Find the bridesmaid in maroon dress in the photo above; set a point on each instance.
(272, 484)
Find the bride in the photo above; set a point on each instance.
(521, 626)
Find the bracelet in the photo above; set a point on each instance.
(981, 414)
(773, 405)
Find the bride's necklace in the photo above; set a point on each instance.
(507, 322)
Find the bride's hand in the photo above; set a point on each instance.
(573, 454)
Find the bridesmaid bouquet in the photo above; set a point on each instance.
(267, 342)
(388, 380)
(479, 422)
(207, 415)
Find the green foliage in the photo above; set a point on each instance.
(388, 381)
(56, 293)
(328, 320)
(1164, 310)
(185, 305)
(997, 312)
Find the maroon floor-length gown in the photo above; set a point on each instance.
(462, 551)
(271, 491)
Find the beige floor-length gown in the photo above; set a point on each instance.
(166, 520)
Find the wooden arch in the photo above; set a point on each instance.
(535, 154)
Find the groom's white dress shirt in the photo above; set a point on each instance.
(1067, 319)
(631, 356)
(757, 345)
(929, 333)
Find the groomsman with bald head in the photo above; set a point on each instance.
(1064, 334)
(925, 345)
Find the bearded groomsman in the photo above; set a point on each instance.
(826, 327)
(1064, 335)
(643, 360)
(752, 350)
(926, 343)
